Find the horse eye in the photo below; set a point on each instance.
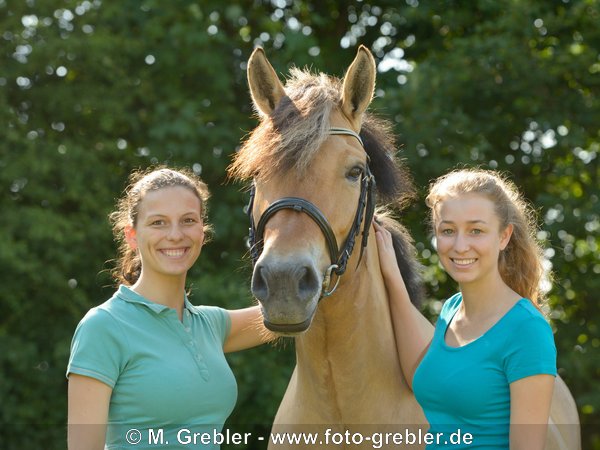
(355, 172)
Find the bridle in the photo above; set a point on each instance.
(339, 257)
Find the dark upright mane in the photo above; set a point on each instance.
(394, 183)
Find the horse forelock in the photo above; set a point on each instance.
(290, 137)
(292, 134)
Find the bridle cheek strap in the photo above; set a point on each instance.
(339, 257)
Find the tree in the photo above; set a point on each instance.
(91, 90)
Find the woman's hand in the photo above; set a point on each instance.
(387, 255)
(412, 330)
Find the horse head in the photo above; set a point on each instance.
(313, 159)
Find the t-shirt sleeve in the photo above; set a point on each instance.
(219, 320)
(98, 348)
(531, 350)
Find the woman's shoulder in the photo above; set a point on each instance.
(525, 326)
(527, 308)
(448, 310)
(524, 313)
(216, 318)
(450, 306)
(528, 346)
(207, 310)
(210, 313)
(106, 314)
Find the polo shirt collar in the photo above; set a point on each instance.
(191, 308)
(129, 295)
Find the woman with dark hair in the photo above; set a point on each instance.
(147, 363)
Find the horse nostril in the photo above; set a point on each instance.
(308, 283)
(259, 284)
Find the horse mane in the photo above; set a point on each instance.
(292, 134)
(394, 183)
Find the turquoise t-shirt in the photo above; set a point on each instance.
(166, 375)
(466, 389)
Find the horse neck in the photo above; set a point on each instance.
(351, 335)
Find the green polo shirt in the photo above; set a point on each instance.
(165, 374)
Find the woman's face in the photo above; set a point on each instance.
(469, 238)
(169, 232)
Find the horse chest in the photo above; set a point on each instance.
(346, 385)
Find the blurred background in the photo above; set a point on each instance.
(90, 90)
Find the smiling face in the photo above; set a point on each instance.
(469, 238)
(169, 232)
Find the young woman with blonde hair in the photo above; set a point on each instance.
(488, 367)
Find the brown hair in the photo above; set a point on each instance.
(291, 136)
(521, 262)
(294, 132)
(128, 267)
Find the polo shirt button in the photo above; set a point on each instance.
(188, 329)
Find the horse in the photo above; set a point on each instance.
(322, 166)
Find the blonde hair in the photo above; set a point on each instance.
(520, 263)
(129, 266)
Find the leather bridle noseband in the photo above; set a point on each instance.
(339, 257)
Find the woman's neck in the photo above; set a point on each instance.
(168, 291)
(487, 298)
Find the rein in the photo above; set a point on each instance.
(339, 257)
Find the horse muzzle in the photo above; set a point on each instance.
(288, 291)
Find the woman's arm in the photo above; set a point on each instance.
(413, 332)
(530, 400)
(88, 401)
(247, 330)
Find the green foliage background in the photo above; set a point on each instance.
(90, 90)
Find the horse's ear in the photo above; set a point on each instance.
(359, 84)
(265, 87)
